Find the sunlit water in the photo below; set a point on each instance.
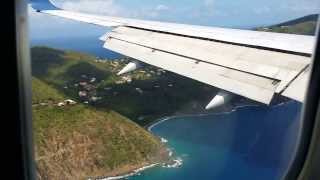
(249, 143)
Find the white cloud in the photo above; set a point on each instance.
(161, 7)
(105, 7)
(112, 8)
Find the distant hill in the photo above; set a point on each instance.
(308, 18)
(305, 25)
(80, 141)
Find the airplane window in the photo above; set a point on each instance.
(169, 89)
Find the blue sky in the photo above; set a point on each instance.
(223, 13)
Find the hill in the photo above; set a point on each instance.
(308, 18)
(143, 96)
(97, 140)
(78, 141)
(305, 25)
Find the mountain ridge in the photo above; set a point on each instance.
(305, 25)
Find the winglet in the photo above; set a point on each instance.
(40, 5)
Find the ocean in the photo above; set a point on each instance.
(86, 44)
(247, 143)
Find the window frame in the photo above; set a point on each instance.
(307, 159)
(304, 165)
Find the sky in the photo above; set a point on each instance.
(223, 13)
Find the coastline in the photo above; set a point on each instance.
(125, 175)
(177, 162)
(151, 125)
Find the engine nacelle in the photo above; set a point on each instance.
(220, 99)
(129, 67)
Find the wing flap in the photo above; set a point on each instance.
(270, 64)
(254, 87)
(297, 88)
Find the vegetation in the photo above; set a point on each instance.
(151, 94)
(91, 138)
(305, 25)
(44, 93)
(78, 141)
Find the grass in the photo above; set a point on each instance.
(96, 135)
(44, 93)
(78, 141)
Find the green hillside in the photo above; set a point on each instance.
(78, 141)
(305, 25)
(151, 93)
(44, 93)
(97, 140)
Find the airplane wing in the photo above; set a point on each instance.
(256, 65)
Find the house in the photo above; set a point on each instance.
(89, 87)
(83, 83)
(83, 93)
(69, 102)
(139, 90)
(60, 104)
(94, 98)
(84, 76)
(107, 88)
(161, 70)
(119, 82)
(93, 79)
(127, 79)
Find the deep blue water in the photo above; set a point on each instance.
(250, 143)
(86, 44)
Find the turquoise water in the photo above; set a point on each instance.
(249, 143)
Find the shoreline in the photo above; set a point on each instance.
(151, 125)
(178, 162)
(132, 173)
